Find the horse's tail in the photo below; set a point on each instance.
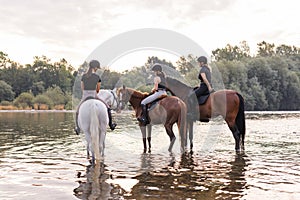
(182, 125)
(240, 118)
(94, 130)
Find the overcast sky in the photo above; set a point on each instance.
(72, 29)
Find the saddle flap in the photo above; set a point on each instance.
(152, 105)
(202, 99)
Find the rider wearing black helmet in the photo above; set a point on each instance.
(205, 79)
(90, 86)
(202, 59)
(158, 90)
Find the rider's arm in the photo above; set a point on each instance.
(156, 82)
(98, 87)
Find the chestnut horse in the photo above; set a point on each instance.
(170, 110)
(227, 103)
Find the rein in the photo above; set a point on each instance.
(115, 100)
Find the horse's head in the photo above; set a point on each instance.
(123, 96)
(126, 95)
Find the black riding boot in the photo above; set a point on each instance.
(76, 129)
(112, 125)
(144, 116)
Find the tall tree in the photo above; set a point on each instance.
(231, 53)
(266, 49)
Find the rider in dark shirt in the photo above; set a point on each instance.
(90, 86)
(159, 89)
(205, 83)
(204, 77)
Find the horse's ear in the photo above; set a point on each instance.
(124, 87)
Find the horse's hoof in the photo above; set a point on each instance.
(145, 151)
(77, 130)
(149, 151)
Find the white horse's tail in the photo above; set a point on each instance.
(94, 130)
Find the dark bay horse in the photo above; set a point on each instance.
(170, 110)
(227, 103)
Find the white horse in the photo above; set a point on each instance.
(110, 98)
(93, 121)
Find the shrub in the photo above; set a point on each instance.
(42, 102)
(24, 100)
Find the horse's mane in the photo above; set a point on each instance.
(176, 83)
(136, 94)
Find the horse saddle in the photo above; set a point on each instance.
(88, 98)
(152, 105)
(202, 98)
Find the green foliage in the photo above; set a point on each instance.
(6, 92)
(38, 87)
(109, 79)
(56, 95)
(185, 65)
(24, 100)
(5, 103)
(266, 49)
(231, 53)
(269, 80)
(43, 99)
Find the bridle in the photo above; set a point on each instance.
(115, 99)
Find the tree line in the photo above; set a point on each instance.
(268, 80)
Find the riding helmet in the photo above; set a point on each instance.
(94, 64)
(156, 67)
(202, 59)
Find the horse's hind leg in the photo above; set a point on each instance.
(88, 145)
(237, 138)
(170, 132)
(191, 134)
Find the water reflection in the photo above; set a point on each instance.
(192, 177)
(93, 185)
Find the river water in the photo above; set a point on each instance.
(41, 158)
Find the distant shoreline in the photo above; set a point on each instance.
(70, 111)
(37, 111)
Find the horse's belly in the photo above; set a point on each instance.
(157, 116)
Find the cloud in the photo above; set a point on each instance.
(74, 28)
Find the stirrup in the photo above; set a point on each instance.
(143, 120)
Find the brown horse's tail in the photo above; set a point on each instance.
(182, 126)
(240, 118)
